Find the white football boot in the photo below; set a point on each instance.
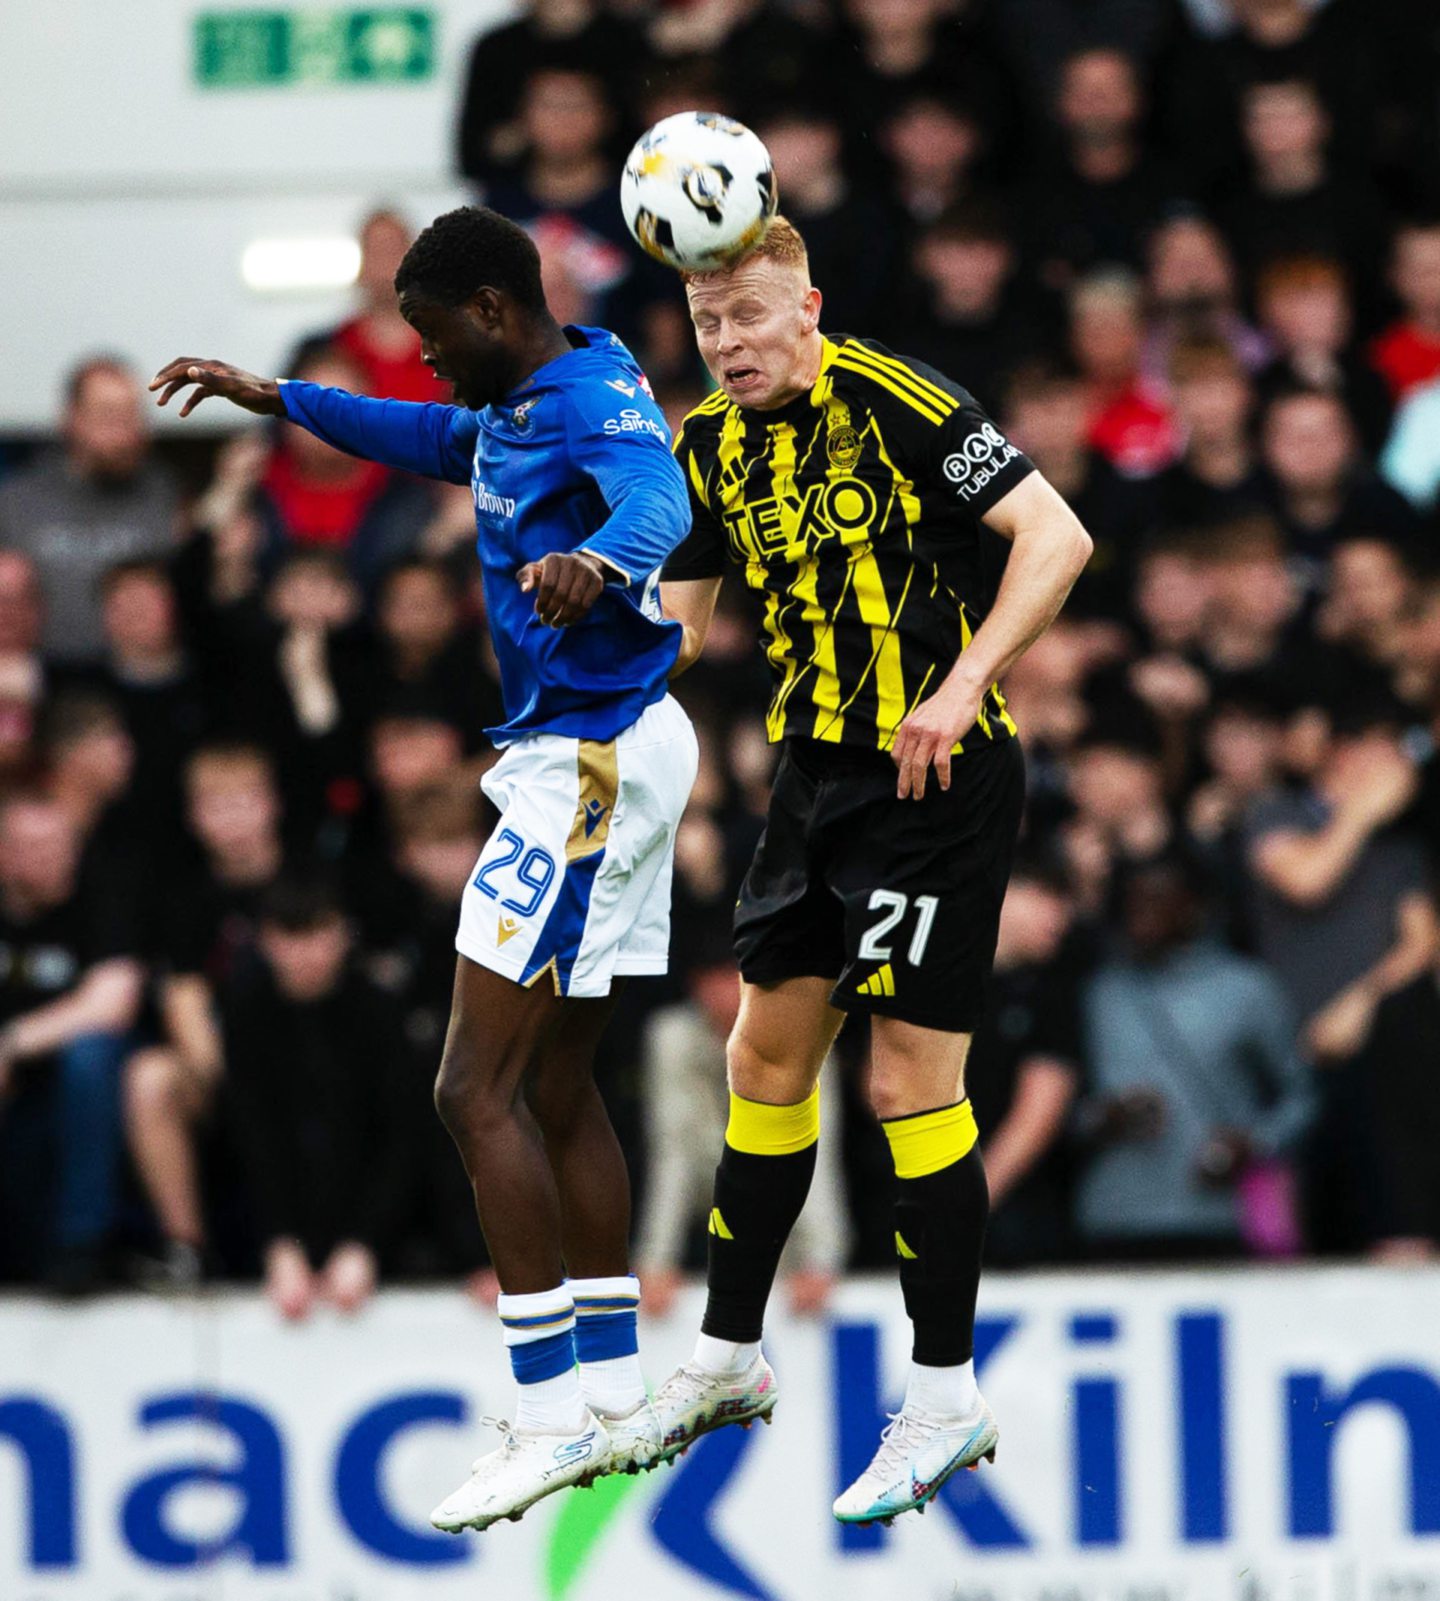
(917, 1454)
(634, 1440)
(523, 1470)
(693, 1402)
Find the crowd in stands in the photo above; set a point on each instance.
(1187, 253)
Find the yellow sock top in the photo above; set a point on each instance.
(759, 1129)
(927, 1141)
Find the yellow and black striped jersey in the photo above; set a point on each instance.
(855, 512)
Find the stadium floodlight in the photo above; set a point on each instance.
(277, 265)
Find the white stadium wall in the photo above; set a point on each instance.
(1213, 1436)
(129, 188)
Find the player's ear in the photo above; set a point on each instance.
(487, 305)
(810, 310)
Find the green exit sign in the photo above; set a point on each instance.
(252, 49)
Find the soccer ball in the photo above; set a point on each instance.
(698, 190)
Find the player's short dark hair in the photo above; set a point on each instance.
(471, 249)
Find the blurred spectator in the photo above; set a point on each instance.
(1411, 460)
(935, 148)
(438, 839)
(1399, 1067)
(1304, 306)
(1241, 747)
(1130, 423)
(300, 683)
(1217, 476)
(22, 609)
(1194, 296)
(71, 991)
(430, 656)
(233, 812)
(89, 767)
(1340, 894)
(832, 211)
(1023, 1072)
(1295, 198)
(97, 500)
(1254, 638)
(973, 320)
(685, 1101)
(1342, 915)
(562, 190)
(313, 1055)
(1318, 482)
(1193, 1075)
(752, 54)
(1102, 193)
(383, 346)
(1407, 353)
(1331, 46)
(1368, 604)
(147, 674)
(313, 495)
(503, 60)
(1047, 414)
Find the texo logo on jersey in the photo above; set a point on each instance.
(842, 507)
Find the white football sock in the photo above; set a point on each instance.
(551, 1406)
(942, 1392)
(725, 1357)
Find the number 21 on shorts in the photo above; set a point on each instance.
(876, 947)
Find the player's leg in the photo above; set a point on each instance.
(923, 894)
(780, 1040)
(498, 1030)
(781, 1037)
(942, 1203)
(788, 939)
(593, 1184)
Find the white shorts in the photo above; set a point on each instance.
(576, 879)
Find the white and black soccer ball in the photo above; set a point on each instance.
(698, 190)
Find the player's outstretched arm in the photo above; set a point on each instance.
(431, 440)
(243, 389)
(1049, 549)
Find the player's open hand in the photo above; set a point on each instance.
(930, 733)
(244, 389)
(565, 586)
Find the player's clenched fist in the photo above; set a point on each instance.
(244, 389)
(565, 586)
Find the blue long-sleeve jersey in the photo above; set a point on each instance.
(576, 458)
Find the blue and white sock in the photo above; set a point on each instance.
(540, 1336)
(608, 1343)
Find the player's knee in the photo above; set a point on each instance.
(471, 1094)
(765, 1071)
(890, 1091)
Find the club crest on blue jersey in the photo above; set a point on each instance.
(521, 419)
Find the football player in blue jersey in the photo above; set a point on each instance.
(578, 501)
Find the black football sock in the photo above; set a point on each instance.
(941, 1207)
(760, 1188)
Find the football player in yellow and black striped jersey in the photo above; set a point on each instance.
(849, 486)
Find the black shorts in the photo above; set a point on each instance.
(896, 900)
